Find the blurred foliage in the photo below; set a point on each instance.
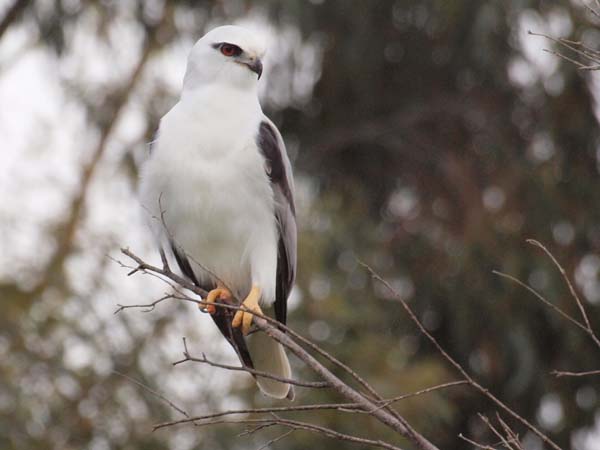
(437, 138)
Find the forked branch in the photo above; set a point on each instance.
(366, 401)
(370, 403)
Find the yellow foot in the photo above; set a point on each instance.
(219, 293)
(244, 318)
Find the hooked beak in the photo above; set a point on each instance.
(254, 64)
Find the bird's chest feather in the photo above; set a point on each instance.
(216, 196)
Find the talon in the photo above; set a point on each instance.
(219, 293)
(244, 318)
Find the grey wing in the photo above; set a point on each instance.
(279, 170)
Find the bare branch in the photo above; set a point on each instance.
(567, 58)
(456, 365)
(297, 425)
(588, 327)
(163, 275)
(276, 439)
(166, 272)
(540, 297)
(342, 407)
(475, 444)
(286, 337)
(512, 436)
(345, 407)
(145, 307)
(506, 443)
(373, 405)
(153, 392)
(257, 373)
(332, 359)
(560, 373)
(398, 424)
(591, 56)
(163, 259)
(592, 10)
(145, 267)
(425, 391)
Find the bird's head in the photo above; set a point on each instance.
(229, 54)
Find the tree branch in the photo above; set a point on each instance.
(342, 407)
(372, 403)
(154, 393)
(297, 425)
(287, 337)
(455, 364)
(588, 327)
(591, 56)
(560, 373)
(257, 373)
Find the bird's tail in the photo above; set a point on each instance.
(269, 356)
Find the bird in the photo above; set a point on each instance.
(218, 190)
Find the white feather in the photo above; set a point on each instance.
(206, 178)
(215, 195)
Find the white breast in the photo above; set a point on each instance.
(215, 194)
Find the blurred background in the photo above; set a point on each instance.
(430, 138)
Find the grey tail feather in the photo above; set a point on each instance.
(269, 356)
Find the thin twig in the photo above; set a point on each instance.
(257, 373)
(384, 416)
(276, 439)
(389, 418)
(142, 266)
(344, 407)
(560, 373)
(316, 407)
(567, 58)
(576, 47)
(145, 307)
(153, 392)
(164, 260)
(588, 327)
(273, 328)
(426, 391)
(497, 433)
(513, 437)
(297, 425)
(454, 363)
(540, 297)
(476, 444)
(592, 10)
(163, 275)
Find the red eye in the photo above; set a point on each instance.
(230, 50)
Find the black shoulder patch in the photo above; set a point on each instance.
(269, 147)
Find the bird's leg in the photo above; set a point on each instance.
(244, 318)
(220, 293)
